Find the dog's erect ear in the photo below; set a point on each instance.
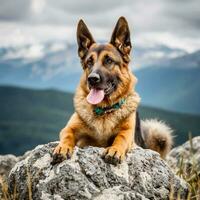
(121, 38)
(84, 39)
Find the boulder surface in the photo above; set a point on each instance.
(7, 162)
(188, 153)
(143, 175)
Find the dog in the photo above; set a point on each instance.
(106, 102)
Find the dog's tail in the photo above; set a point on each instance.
(157, 136)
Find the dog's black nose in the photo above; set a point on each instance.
(94, 78)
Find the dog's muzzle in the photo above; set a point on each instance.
(94, 79)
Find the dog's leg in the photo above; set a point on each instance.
(123, 142)
(66, 144)
(67, 140)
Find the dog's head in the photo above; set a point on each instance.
(105, 65)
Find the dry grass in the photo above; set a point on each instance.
(4, 188)
(190, 172)
(29, 184)
(6, 195)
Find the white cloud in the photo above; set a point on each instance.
(37, 6)
(12, 34)
(31, 53)
(172, 16)
(57, 47)
(17, 34)
(15, 10)
(186, 43)
(171, 23)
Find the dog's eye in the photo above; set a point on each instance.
(90, 62)
(108, 60)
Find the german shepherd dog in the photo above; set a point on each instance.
(106, 103)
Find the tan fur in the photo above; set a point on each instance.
(157, 136)
(102, 128)
(86, 128)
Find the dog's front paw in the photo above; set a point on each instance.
(62, 152)
(113, 155)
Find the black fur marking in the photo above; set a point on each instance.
(138, 133)
(111, 140)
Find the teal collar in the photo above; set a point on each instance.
(101, 111)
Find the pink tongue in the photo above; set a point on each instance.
(95, 96)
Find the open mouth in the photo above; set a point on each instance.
(97, 95)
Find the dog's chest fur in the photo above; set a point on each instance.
(105, 126)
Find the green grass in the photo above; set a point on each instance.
(30, 117)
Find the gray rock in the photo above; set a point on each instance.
(187, 155)
(7, 162)
(86, 176)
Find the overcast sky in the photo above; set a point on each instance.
(175, 23)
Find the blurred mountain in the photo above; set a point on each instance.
(30, 117)
(55, 64)
(168, 78)
(49, 65)
(173, 84)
